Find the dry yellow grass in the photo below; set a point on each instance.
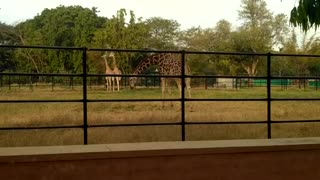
(52, 114)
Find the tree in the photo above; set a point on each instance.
(260, 32)
(120, 33)
(71, 26)
(309, 65)
(306, 15)
(217, 39)
(162, 33)
(286, 65)
(7, 37)
(222, 42)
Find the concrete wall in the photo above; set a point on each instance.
(275, 159)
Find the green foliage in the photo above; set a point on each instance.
(71, 26)
(120, 33)
(260, 32)
(306, 15)
(254, 13)
(312, 46)
(218, 39)
(285, 66)
(132, 33)
(75, 26)
(7, 37)
(162, 33)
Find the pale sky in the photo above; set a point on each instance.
(188, 13)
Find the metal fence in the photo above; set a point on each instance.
(183, 123)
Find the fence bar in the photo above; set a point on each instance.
(85, 99)
(41, 74)
(134, 124)
(269, 94)
(183, 85)
(40, 47)
(41, 101)
(39, 127)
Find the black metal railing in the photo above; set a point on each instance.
(183, 123)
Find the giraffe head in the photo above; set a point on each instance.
(111, 54)
(104, 55)
(145, 63)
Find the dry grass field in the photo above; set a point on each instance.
(99, 113)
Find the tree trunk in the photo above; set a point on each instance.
(251, 69)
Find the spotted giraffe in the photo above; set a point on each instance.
(109, 71)
(168, 64)
(116, 70)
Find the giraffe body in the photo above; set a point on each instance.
(116, 71)
(109, 79)
(169, 64)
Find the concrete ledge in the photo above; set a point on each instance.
(294, 158)
(126, 150)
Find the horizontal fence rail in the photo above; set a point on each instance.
(85, 100)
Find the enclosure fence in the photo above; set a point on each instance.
(183, 99)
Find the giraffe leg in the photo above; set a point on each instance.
(169, 89)
(112, 84)
(107, 84)
(118, 83)
(178, 81)
(188, 81)
(163, 88)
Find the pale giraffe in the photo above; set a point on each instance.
(169, 64)
(109, 71)
(116, 70)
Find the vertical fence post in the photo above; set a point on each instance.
(19, 81)
(71, 82)
(183, 85)
(9, 82)
(52, 83)
(1, 81)
(85, 100)
(269, 94)
(31, 85)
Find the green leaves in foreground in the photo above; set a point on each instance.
(306, 15)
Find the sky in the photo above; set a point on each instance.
(188, 13)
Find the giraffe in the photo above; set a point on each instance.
(109, 71)
(169, 64)
(116, 70)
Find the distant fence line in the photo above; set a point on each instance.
(18, 81)
(267, 81)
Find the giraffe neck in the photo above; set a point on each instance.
(114, 63)
(106, 63)
(148, 61)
